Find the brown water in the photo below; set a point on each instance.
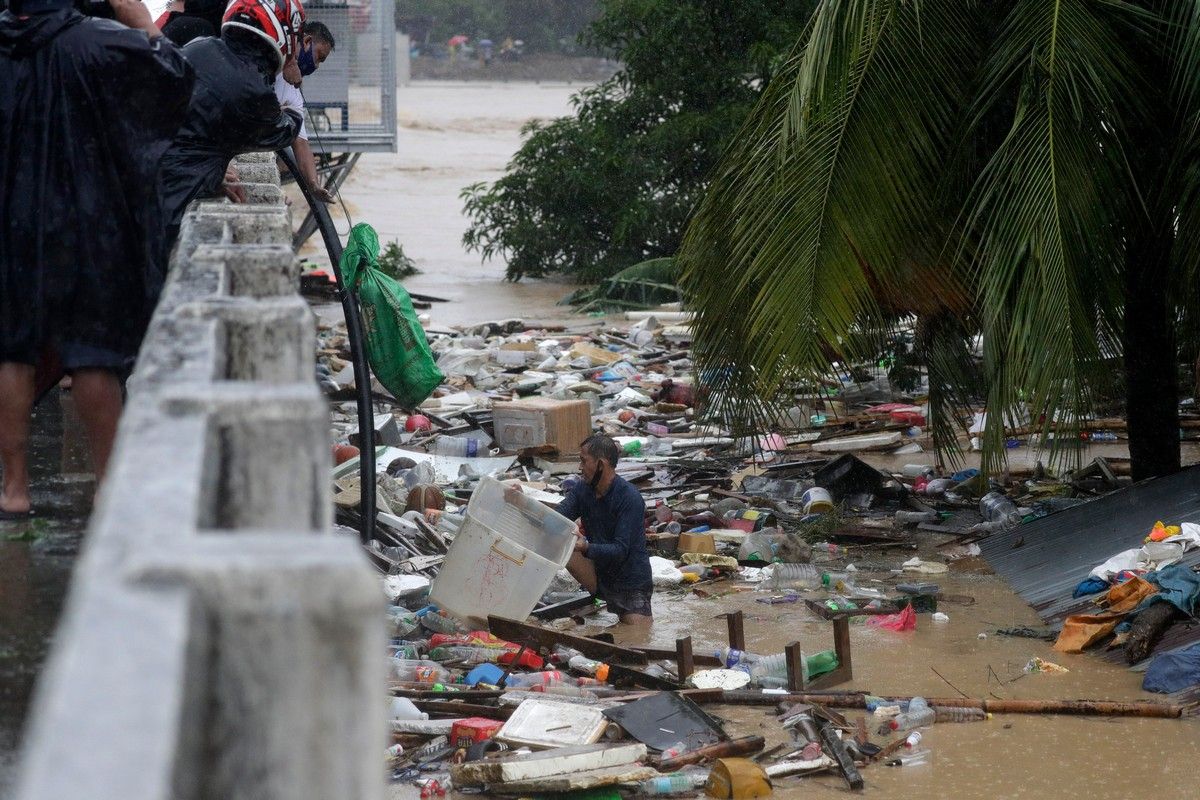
(452, 135)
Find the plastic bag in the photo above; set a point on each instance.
(396, 345)
(906, 620)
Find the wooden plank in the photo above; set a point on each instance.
(698, 659)
(795, 667)
(576, 781)
(444, 708)
(546, 763)
(685, 658)
(622, 675)
(734, 622)
(519, 632)
(841, 646)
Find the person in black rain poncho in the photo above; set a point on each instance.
(234, 109)
(88, 107)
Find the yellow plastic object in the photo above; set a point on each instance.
(737, 779)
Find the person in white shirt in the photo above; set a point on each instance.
(315, 46)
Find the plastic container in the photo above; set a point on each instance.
(587, 666)
(402, 621)
(403, 708)
(817, 501)
(795, 576)
(530, 679)
(460, 447)
(938, 486)
(439, 623)
(913, 759)
(504, 557)
(916, 470)
(838, 582)
(995, 507)
(419, 671)
(775, 666)
(737, 659)
(951, 714)
(918, 715)
(468, 655)
(675, 783)
(912, 740)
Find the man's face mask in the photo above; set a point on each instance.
(306, 61)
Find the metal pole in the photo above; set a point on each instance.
(358, 354)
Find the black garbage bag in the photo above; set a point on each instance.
(88, 107)
(233, 111)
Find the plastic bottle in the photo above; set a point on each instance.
(938, 486)
(838, 582)
(775, 666)
(737, 659)
(912, 740)
(952, 714)
(440, 623)
(583, 664)
(405, 650)
(459, 446)
(913, 759)
(419, 671)
(403, 621)
(531, 679)
(798, 576)
(675, 783)
(1103, 436)
(919, 715)
(467, 654)
(403, 708)
(916, 470)
(995, 507)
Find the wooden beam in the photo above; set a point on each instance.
(795, 667)
(684, 658)
(698, 659)
(535, 636)
(734, 622)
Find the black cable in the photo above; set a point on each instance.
(313, 124)
(358, 354)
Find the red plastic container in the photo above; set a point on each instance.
(474, 729)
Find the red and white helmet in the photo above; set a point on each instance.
(277, 21)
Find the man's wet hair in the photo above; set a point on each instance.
(320, 32)
(602, 447)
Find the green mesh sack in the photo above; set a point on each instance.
(396, 345)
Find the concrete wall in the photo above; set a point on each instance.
(218, 641)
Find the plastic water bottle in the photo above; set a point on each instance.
(403, 621)
(459, 446)
(798, 576)
(995, 507)
(440, 623)
(912, 740)
(530, 679)
(467, 654)
(913, 759)
(919, 715)
(419, 671)
(737, 659)
(775, 667)
(587, 666)
(675, 783)
(952, 714)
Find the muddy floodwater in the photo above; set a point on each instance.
(451, 135)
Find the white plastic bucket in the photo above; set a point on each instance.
(816, 501)
(504, 556)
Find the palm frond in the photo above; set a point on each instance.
(1046, 212)
(829, 198)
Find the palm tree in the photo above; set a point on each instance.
(1020, 169)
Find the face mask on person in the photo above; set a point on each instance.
(306, 61)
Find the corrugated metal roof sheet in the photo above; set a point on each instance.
(1045, 560)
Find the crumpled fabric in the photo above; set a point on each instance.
(87, 109)
(1081, 631)
(1151, 556)
(1177, 585)
(906, 620)
(1089, 586)
(1173, 671)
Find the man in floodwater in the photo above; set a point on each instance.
(610, 557)
(88, 106)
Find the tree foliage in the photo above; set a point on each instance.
(614, 184)
(1013, 169)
